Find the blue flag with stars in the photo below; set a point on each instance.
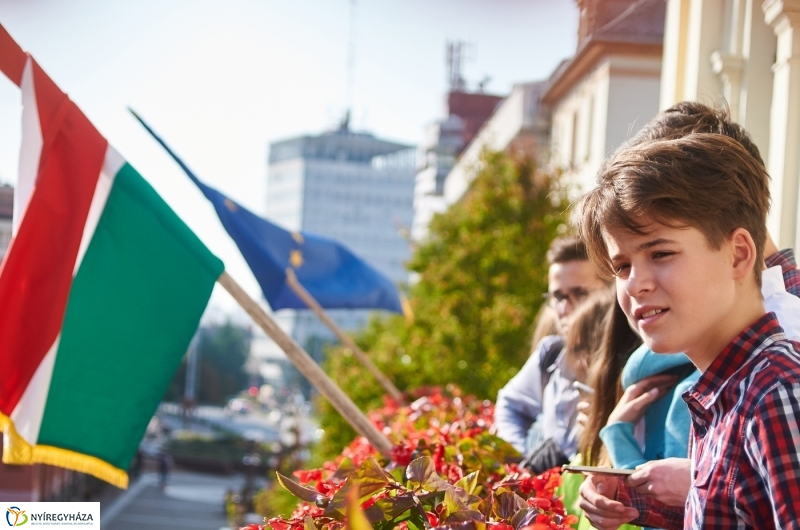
(331, 273)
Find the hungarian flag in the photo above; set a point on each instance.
(101, 290)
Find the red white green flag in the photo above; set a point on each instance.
(101, 291)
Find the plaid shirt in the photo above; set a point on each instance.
(791, 276)
(745, 440)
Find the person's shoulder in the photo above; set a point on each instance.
(644, 362)
(548, 345)
(774, 383)
(777, 365)
(549, 341)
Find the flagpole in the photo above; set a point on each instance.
(310, 301)
(310, 369)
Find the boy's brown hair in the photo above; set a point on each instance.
(689, 117)
(566, 248)
(706, 181)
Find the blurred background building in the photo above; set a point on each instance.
(354, 188)
(465, 112)
(590, 104)
(519, 123)
(6, 212)
(609, 88)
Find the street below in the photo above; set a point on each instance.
(190, 500)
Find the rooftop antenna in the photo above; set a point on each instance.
(457, 54)
(351, 67)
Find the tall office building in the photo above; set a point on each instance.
(351, 187)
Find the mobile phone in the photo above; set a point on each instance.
(592, 470)
(586, 389)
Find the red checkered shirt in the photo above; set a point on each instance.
(745, 439)
(791, 276)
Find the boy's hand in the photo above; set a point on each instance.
(639, 396)
(596, 500)
(668, 480)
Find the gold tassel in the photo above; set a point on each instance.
(17, 451)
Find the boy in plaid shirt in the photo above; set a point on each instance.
(681, 226)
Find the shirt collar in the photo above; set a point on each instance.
(772, 282)
(735, 355)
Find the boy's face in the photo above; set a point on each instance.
(673, 287)
(569, 284)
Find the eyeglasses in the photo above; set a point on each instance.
(574, 296)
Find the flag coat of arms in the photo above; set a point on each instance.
(101, 290)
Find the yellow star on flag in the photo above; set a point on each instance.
(296, 259)
(231, 205)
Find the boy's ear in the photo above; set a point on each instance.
(744, 253)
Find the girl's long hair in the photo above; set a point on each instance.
(586, 329)
(605, 373)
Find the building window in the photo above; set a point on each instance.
(589, 129)
(574, 142)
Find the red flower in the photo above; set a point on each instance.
(454, 473)
(539, 503)
(307, 476)
(401, 453)
(438, 458)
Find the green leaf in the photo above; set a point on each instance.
(524, 517)
(390, 508)
(356, 520)
(308, 523)
(468, 482)
(345, 468)
(301, 492)
(370, 478)
(453, 502)
(417, 521)
(421, 473)
(485, 507)
(465, 515)
(398, 474)
(507, 504)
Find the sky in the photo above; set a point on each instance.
(221, 80)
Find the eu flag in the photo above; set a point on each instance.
(330, 272)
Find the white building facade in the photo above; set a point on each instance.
(519, 122)
(351, 187)
(745, 53)
(445, 139)
(609, 89)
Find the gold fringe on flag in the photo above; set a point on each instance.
(407, 311)
(17, 451)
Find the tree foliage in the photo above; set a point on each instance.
(223, 352)
(480, 277)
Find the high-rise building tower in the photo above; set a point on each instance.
(351, 187)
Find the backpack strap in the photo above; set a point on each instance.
(548, 360)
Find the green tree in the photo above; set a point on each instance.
(481, 274)
(223, 353)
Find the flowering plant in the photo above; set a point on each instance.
(447, 471)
